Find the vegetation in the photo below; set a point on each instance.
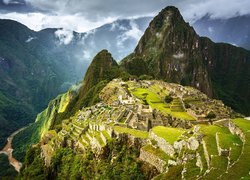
(157, 152)
(156, 102)
(168, 99)
(136, 133)
(6, 170)
(169, 134)
(66, 164)
(211, 115)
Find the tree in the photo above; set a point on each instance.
(211, 115)
(168, 99)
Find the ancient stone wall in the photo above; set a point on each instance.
(152, 159)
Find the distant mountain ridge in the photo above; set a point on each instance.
(234, 30)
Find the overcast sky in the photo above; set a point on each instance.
(83, 15)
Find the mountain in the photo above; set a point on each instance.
(33, 70)
(36, 66)
(171, 50)
(138, 129)
(102, 70)
(123, 121)
(234, 30)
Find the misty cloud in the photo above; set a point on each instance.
(64, 36)
(133, 33)
(85, 15)
(193, 10)
(30, 38)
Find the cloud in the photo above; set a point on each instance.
(116, 26)
(133, 33)
(30, 38)
(12, 2)
(38, 21)
(193, 10)
(6, 2)
(84, 15)
(210, 30)
(97, 9)
(64, 36)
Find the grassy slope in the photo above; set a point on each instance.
(242, 167)
(169, 134)
(157, 102)
(134, 132)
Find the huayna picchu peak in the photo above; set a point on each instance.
(172, 109)
(171, 50)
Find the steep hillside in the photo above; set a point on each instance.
(144, 129)
(171, 50)
(36, 66)
(127, 122)
(102, 70)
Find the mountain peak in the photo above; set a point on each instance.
(103, 59)
(171, 50)
(167, 17)
(103, 67)
(170, 10)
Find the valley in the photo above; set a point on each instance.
(7, 150)
(175, 108)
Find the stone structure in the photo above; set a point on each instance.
(164, 145)
(154, 160)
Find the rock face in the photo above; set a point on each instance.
(171, 50)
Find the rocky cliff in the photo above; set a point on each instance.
(171, 50)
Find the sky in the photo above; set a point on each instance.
(84, 15)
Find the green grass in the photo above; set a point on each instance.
(243, 124)
(233, 142)
(203, 159)
(242, 167)
(133, 132)
(99, 139)
(219, 164)
(210, 137)
(156, 102)
(169, 134)
(191, 169)
(174, 173)
(157, 152)
(106, 135)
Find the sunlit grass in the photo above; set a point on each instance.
(169, 134)
(156, 102)
(133, 132)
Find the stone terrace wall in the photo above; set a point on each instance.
(164, 145)
(160, 165)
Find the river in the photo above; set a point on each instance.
(8, 151)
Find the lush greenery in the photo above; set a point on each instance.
(169, 134)
(32, 73)
(66, 164)
(155, 56)
(6, 170)
(149, 96)
(134, 132)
